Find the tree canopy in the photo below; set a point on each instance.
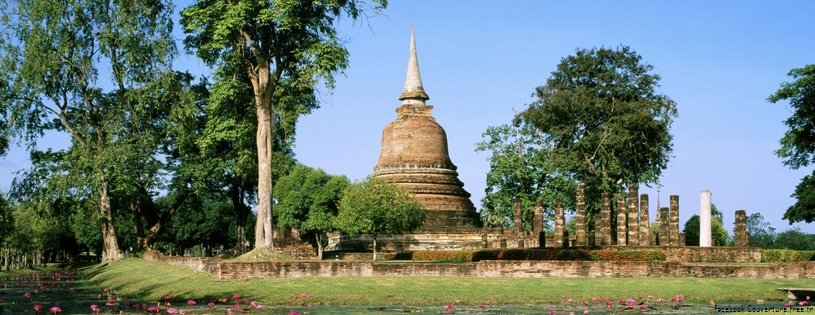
(604, 120)
(308, 198)
(375, 206)
(717, 231)
(798, 143)
(519, 169)
(50, 57)
(285, 48)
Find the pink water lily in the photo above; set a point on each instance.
(55, 309)
(190, 302)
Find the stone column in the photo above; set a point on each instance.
(519, 226)
(645, 224)
(537, 230)
(621, 225)
(664, 227)
(580, 216)
(633, 216)
(705, 234)
(560, 223)
(741, 239)
(675, 221)
(606, 224)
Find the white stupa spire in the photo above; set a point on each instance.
(413, 92)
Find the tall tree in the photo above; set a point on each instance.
(798, 143)
(50, 68)
(604, 119)
(519, 168)
(375, 206)
(760, 232)
(285, 48)
(308, 198)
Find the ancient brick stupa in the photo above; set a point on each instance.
(414, 155)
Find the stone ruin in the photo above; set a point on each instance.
(414, 154)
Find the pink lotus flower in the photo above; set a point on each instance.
(482, 306)
(55, 309)
(224, 300)
(309, 296)
(609, 304)
(171, 311)
(37, 308)
(788, 304)
(552, 312)
(27, 295)
(211, 304)
(166, 297)
(236, 297)
(259, 307)
(308, 305)
(294, 313)
(95, 308)
(180, 312)
(586, 312)
(660, 300)
(458, 301)
(803, 303)
(190, 302)
(650, 297)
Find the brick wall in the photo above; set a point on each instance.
(693, 254)
(512, 269)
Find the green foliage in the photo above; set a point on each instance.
(760, 233)
(375, 206)
(283, 49)
(804, 208)
(795, 239)
(308, 198)
(6, 219)
(786, 255)
(798, 143)
(519, 169)
(604, 120)
(530, 254)
(50, 63)
(718, 234)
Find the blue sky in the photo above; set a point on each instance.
(479, 60)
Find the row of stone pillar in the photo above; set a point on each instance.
(633, 223)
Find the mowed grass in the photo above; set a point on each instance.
(151, 281)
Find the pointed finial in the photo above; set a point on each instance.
(413, 92)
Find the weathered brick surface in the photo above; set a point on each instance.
(513, 269)
(580, 216)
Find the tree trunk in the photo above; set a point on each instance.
(241, 213)
(263, 228)
(262, 86)
(110, 248)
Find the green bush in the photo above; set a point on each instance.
(530, 254)
(786, 255)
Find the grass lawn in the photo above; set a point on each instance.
(151, 281)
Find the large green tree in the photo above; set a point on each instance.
(375, 206)
(604, 120)
(285, 48)
(57, 58)
(308, 198)
(519, 169)
(718, 233)
(760, 233)
(798, 143)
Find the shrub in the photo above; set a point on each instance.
(531, 254)
(786, 255)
